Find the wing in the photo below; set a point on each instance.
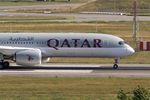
(8, 50)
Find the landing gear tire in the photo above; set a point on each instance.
(4, 65)
(1, 66)
(115, 66)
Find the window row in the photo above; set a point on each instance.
(23, 42)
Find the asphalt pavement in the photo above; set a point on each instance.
(79, 70)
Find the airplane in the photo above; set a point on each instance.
(30, 49)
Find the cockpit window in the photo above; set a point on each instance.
(121, 43)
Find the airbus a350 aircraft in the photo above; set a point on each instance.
(29, 49)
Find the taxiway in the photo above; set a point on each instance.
(75, 17)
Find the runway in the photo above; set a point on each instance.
(79, 70)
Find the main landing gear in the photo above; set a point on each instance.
(4, 65)
(115, 66)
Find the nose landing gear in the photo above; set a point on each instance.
(115, 66)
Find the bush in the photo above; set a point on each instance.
(122, 95)
(140, 94)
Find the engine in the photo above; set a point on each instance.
(29, 57)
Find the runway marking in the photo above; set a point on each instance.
(34, 71)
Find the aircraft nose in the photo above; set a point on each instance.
(130, 50)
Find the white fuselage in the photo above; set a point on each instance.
(66, 44)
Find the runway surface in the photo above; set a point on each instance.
(79, 70)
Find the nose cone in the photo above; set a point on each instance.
(130, 50)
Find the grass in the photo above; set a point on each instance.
(115, 5)
(83, 5)
(32, 19)
(98, 5)
(21, 3)
(122, 29)
(31, 88)
(72, 1)
(31, 2)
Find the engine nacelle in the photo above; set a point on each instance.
(29, 57)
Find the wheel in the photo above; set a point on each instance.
(5, 64)
(115, 66)
(1, 66)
